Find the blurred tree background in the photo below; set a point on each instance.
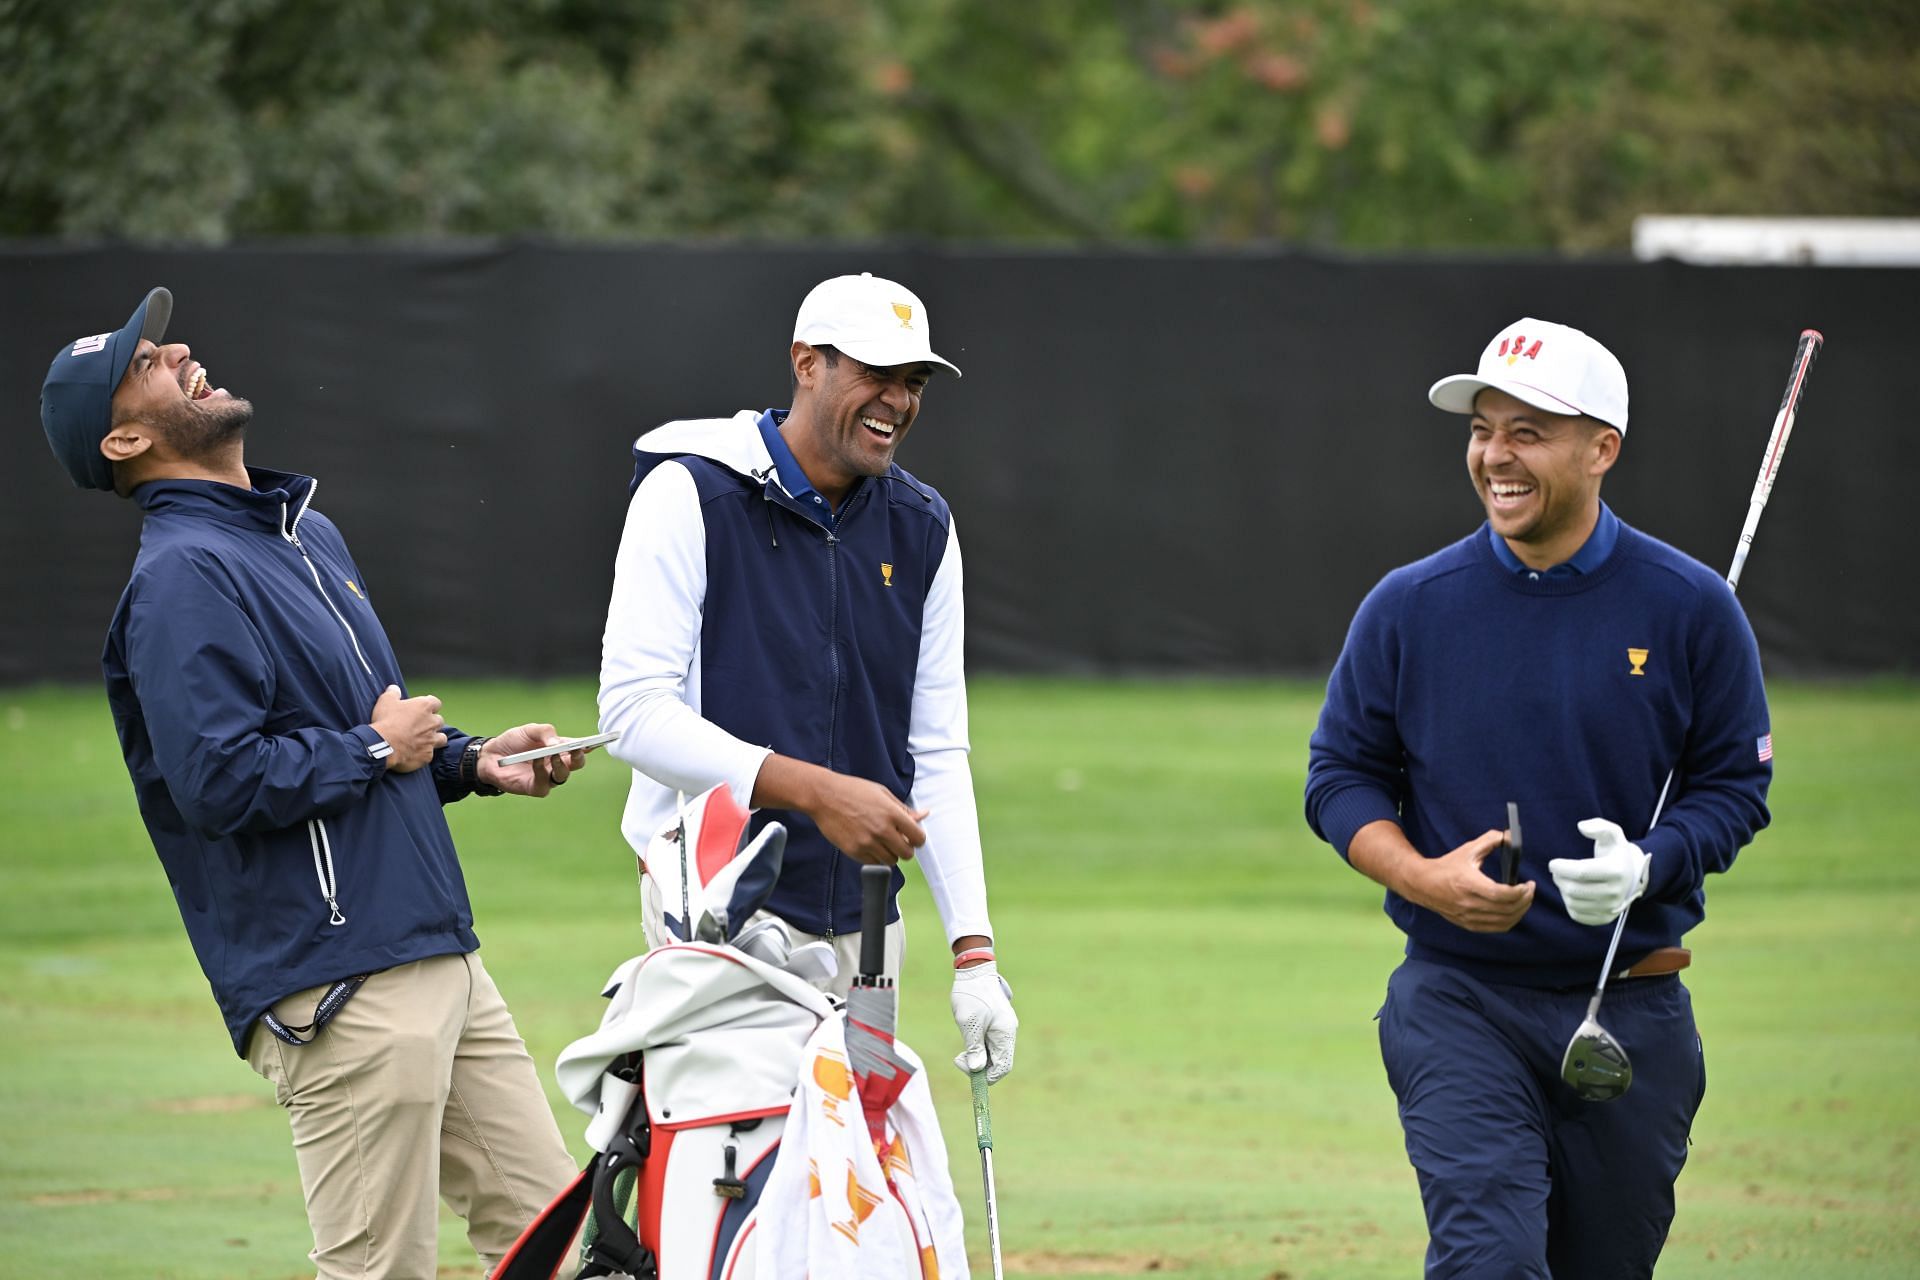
(1337, 123)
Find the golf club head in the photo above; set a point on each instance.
(814, 963)
(712, 928)
(1595, 1064)
(765, 940)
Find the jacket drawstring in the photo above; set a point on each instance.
(766, 501)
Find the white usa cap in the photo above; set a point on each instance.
(875, 321)
(1549, 366)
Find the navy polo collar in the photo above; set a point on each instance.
(787, 467)
(1592, 553)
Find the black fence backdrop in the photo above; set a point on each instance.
(1170, 463)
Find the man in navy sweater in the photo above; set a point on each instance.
(1561, 660)
(293, 792)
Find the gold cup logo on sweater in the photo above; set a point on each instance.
(886, 574)
(1638, 659)
(905, 312)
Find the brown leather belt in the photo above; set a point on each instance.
(1662, 960)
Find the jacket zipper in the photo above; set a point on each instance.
(323, 868)
(316, 828)
(292, 533)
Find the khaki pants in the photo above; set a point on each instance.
(419, 1089)
(846, 946)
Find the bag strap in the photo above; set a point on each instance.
(542, 1247)
(615, 1245)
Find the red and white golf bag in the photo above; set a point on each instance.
(727, 1123)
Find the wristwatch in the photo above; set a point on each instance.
(470, 768)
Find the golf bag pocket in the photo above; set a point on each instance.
(678, 1201)
(661, 1200)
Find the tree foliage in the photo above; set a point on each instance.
(1361, 123)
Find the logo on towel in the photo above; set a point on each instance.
(1518, 345)
(862, 1201)
(87, 346)
(1638, 659)
(354, 589)
(886, 574)
(905, 312)
(835, 1078)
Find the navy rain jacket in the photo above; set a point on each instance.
(242, 667)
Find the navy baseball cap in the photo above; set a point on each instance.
(76, 400)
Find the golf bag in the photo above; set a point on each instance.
(709, 1054)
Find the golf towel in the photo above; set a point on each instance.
(831, 1208)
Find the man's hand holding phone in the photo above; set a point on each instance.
(532, 759)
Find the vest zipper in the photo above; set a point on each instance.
(833, 691)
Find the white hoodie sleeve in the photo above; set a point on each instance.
(942, 779)
(649, 655)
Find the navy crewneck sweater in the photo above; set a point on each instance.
(1464, 685)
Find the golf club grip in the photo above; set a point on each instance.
(1804, 352)
(874, 882)
(982, 1117)
(1808, 347)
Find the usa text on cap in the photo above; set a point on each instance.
(1549, 366)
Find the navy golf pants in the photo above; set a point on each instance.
(1520, 1176)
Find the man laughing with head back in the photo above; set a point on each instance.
(293, 792)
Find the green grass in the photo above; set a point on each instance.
(1198, 1089)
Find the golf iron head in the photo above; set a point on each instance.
(1595, 1064)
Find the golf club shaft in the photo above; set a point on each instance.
(983, 1135)
(1620, 922)
(686, 882)
(1811, 340)
(1606, 966)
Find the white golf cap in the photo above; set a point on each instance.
(1547, 365)
(875, 321)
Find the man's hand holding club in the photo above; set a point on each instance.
(983, 1010)
(1598, 889)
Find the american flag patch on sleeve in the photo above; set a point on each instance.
(1765, 743)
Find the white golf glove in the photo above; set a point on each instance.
(1599, 888)
(983, 1010)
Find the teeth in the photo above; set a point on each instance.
(1508, 490)
(884, 428)
(197, 384)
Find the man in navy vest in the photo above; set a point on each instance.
(1561, 661)
(787, 619)
(294, 793)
